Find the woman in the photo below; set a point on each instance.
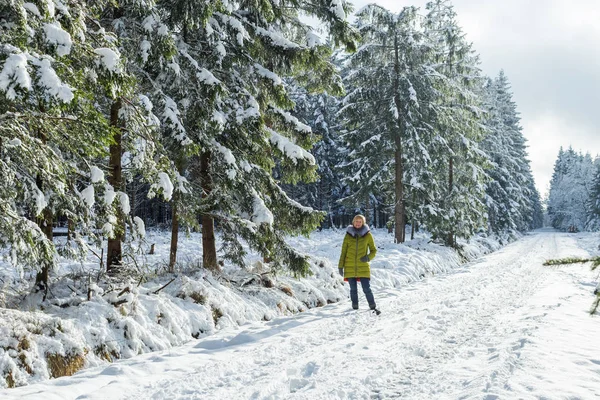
(354, 260)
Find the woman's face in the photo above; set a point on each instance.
(357, 223)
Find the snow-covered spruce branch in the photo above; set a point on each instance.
(146, 130)
(574, 260)
(37, 115)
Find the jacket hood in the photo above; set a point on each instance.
(352, 231)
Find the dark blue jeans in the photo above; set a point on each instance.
(366, 287)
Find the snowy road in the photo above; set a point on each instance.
(503, 327)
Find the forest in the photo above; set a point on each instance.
(245, 125)
(573, 202)
(242, 118)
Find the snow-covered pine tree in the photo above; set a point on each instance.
(167, 45)
(319, 112)
(593, 222)
(388, 130)
(53, 60)
(455, 206)
(146, 47)
(537, 220)
(586, 175)
(570, 191)
(247, 47)
(555, 204)
(413, 119)
(512, 199)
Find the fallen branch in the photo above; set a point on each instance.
(595, 263)
(573, 260)
(164, 286)
(119, 302)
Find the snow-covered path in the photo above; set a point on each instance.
(502, 327)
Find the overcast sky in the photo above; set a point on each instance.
(550, 52)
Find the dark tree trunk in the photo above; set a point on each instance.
(413, 223)
(209, 248)
(450, 238)
(133, 197)
(174, 233)
(399, 170)
(375, 216)
(399, 191)
(70, 228)
(114, 254)
(45, 224)
(174, 223)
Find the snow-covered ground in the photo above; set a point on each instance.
(500, 327)
(86, 322)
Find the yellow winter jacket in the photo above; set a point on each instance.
(356, 243)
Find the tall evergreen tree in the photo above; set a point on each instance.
(145, 48)
(54, 66)
(319, 113)
(413, 119)
(570, 191)
(458, 186)
(387, 80)
(593, 222)
(246, 48)
(512, 200)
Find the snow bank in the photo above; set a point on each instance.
(83, 324)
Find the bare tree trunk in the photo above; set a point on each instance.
(174, 233)
(450, 238)
(175, 221)
(413, 223)
(70, 228)
(321, 194)
(399, 191)
(399, 170)
(209, 248)
(331, 219)
(114, 254)
(45, 224)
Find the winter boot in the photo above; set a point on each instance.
(373, 308)
(355, 306)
